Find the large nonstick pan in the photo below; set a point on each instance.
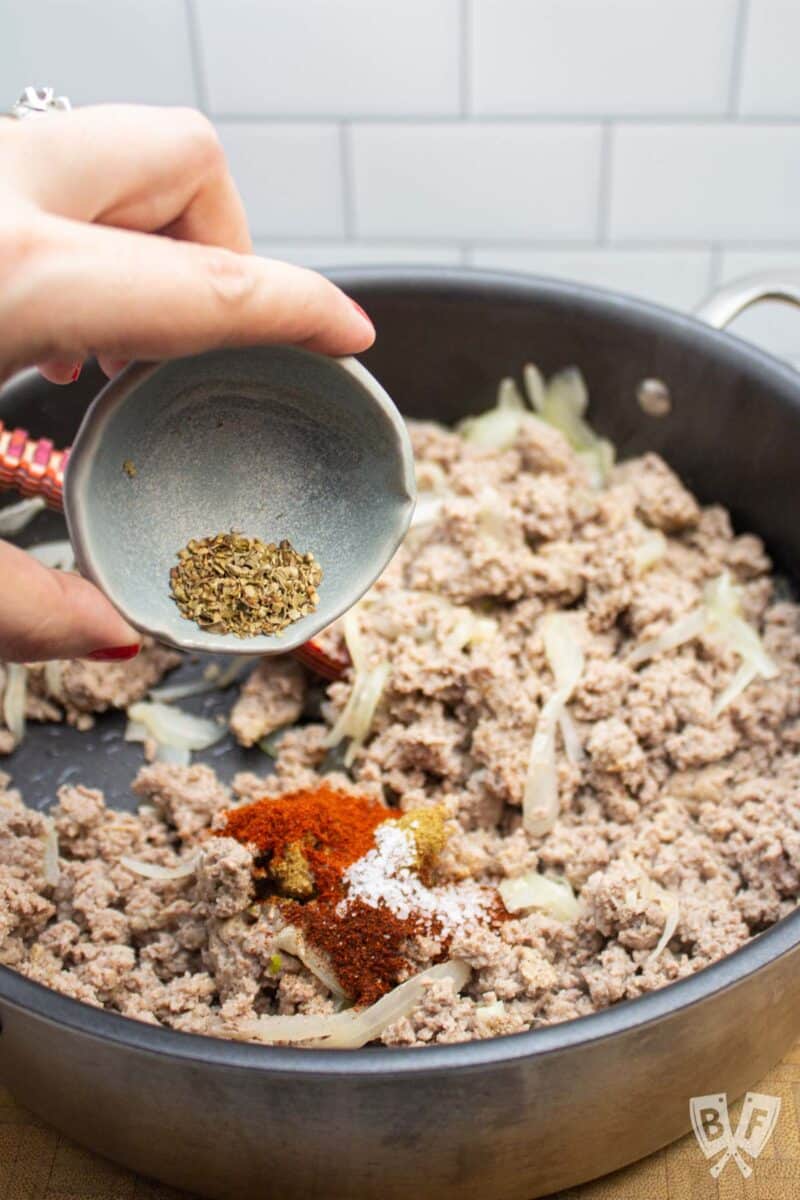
(514, 1117)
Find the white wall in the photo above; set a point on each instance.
(647, 145)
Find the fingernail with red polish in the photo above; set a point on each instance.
(115, 653)
(76, 373)
(359, 309)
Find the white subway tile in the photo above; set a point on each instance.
(493, 180)
(94, 51)
(772, 325)
(770, 84)
(589, 57)
(289, 176)
(716, 182)
(359, 254)
(312, 57)
(676, 278)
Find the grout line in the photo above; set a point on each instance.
(665, 245)
(465, 41)
(737, 62)
(604, 185)
(196, 56)
(593, 120)
(348, 181)
(715, 267)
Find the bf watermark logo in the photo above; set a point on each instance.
(712, 1128)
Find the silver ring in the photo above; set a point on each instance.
(36, 101)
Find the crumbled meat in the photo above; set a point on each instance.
(676, 824)
(273, 696)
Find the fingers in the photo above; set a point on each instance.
(58, 372)
(48, 614)
(149, 169)
(83, 289)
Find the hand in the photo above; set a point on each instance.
(122, 235)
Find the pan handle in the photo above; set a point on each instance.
(732, 299)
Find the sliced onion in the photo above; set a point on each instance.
(198, 687)
(487, 1014)
(352, 1028)
(177, 756)
(14, 699)
(155, 871)
(292, 941)
(720, 614)
(460, 634)
(540, 798)
(534, 386)
(54, 677)
(570, 737)
(496, 429)
(683, 630)
(563, 406)
(563, 649)
(428, 510)
(15, 517)
(135, 732)
(58, 555)
(174, 727)
(650, 550)
(50, 868)
(741, 680)
(669, 903)
(566, 660)
(355, 719)
(549, 894)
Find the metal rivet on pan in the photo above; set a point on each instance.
(654, 398)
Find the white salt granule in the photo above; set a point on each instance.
(386, 876)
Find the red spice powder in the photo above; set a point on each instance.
(363, 946)
(334, 829)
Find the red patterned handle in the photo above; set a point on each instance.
(32, 466)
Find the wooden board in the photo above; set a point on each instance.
(38, 1164)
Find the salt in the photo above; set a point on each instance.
(386, 876)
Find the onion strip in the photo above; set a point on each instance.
(198, 687)
(156, 871)
(565, 658)
(291, 940)
(14, 517)
(14, 699)
(719, 615)
(550, 894)
(174, 727)
(352, 1028)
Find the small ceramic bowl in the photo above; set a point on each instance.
(272, 441)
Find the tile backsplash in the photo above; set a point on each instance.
(652, 146)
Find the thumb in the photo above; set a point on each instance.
(47, 614)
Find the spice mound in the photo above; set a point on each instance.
(230, 583)
(355, 878)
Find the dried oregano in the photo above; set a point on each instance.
(230, 583)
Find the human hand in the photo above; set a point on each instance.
(83, 195)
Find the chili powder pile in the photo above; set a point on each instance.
(304, 842)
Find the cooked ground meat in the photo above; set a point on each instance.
(76, 691)
(670, 815)
(272, 697)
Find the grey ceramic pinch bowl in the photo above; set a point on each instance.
(272, 441)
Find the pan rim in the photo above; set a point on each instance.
(672, 1000)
